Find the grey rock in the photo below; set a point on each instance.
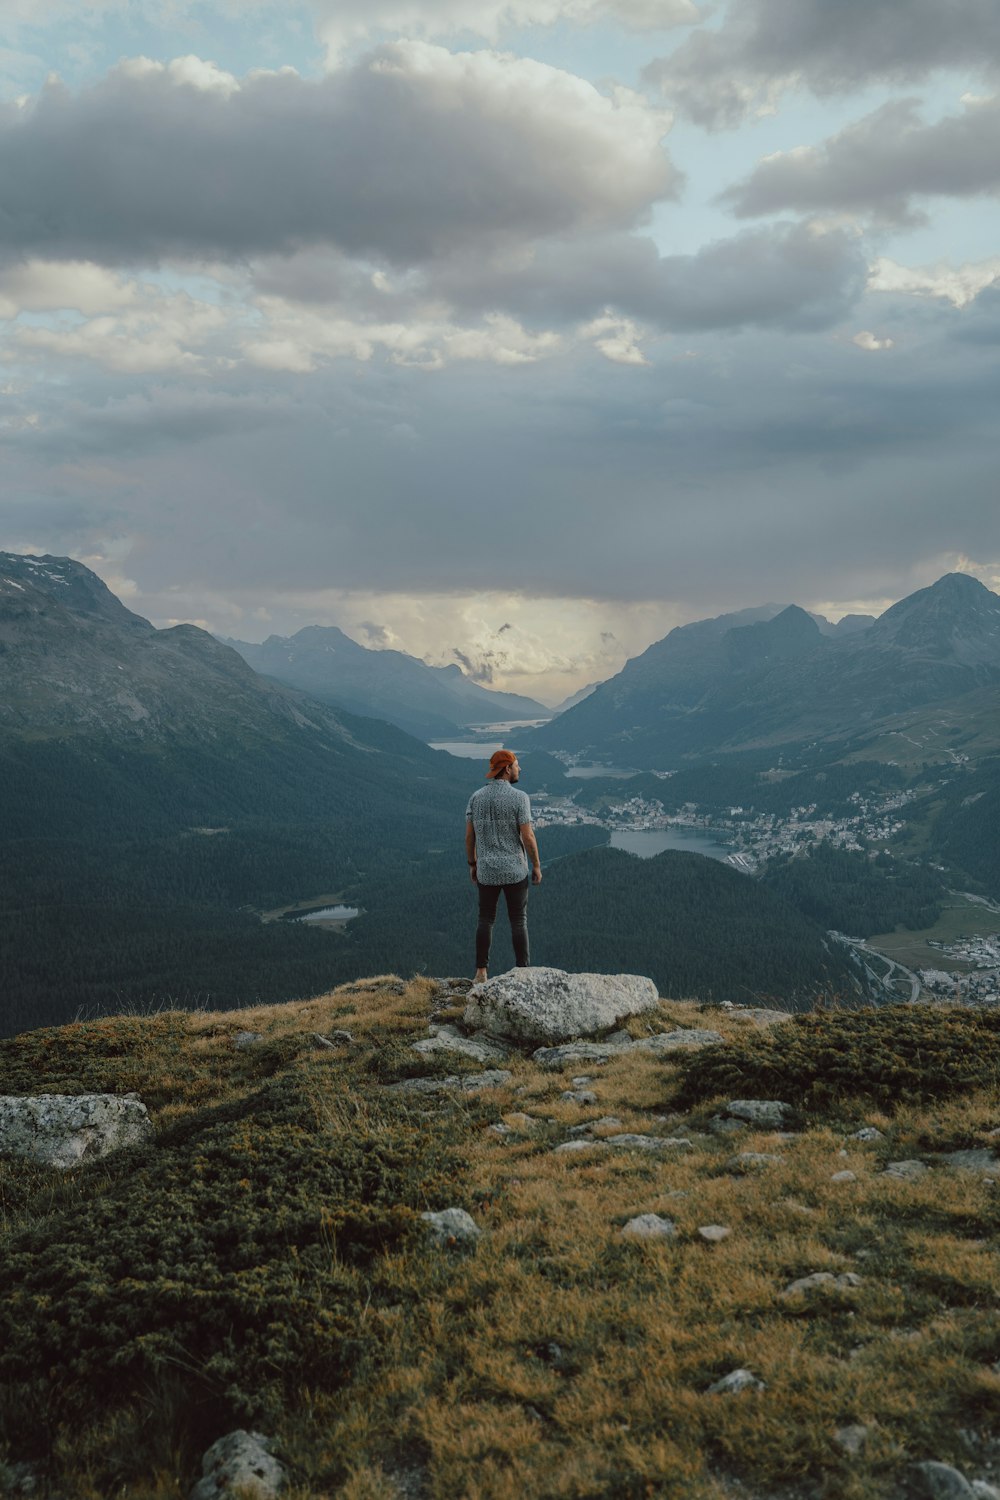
(806, 1284)
(984, 1491)
(759, 1015)
(618, 1039)
(452, 1228)
(581, 1081)
(736, 1381)
(714, 1233)
(501, 1129)
(906, 1171)
(689, 1039)
(333, 1039)
(606, 1122)
(594, 1053)
(450, 1039)
(247, 1039)
(766, 1113)
(718, 1125)
(240, 1463)
(649, 1227)
(868, 1133)
(749, 1161)
(579, 1096)
(19, 1479)
(852, 1439)
(551, 1005)
(569, 1148)
(62, 1130)
(934, 1481)
(981, 1160)
(630, 1142)
(844, 1177)
(469, 1083)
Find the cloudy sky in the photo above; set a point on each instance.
(520, 329)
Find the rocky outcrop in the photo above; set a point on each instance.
(62, 1130)
(550, 1005)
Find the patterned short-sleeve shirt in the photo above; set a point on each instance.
(496, 812)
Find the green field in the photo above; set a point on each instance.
(960, 919)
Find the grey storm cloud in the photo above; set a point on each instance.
(832, 46)
(739, 473)
(785, 275)
(411, 150)
(880, 164)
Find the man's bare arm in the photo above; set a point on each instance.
(470, 849)
(531, 849)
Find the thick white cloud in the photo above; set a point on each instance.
(880, 164)
(412, 151)
(764, 47)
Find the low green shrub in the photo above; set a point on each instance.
(238, 1250)
(887, 1057)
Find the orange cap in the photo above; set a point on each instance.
(499, 761)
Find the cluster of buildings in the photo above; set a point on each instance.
(977, 985)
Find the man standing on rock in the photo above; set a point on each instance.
(499, 841)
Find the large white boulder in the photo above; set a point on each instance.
(549, 1005)
(61, 1130)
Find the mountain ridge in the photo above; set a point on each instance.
(780, 679)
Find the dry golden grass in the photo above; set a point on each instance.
(559, 1359)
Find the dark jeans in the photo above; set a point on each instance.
(517, 909)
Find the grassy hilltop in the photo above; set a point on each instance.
(263, 1263)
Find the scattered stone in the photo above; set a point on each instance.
(450, 1039)
(805, 1284)
(934, 1481)
(906, 1171)
(735, 1381)
(579, 1096)
(629, 1142)
(334, 1039)
(569, 1147)
(618, 1039)
(606, 1122)
(713, 1233)
(766, 1113)
(868, 1133)
(452, 1228)
(521, 1121)
(247, 1039)
(748, 1161)
(649, 1227)
(500, 1128)
(981, 1160)
(458, 986)
(470, 1083)
(240, 1463)
(984, 1491)
(582, 1081)
(720, 1125)
(672, 1041)
(550, 1005)
(851, 1440)
(62, 1130)
(594, 1053)
(760, 1016)
(844, 1177)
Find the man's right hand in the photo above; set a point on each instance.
(472, 874)
(536, 877)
